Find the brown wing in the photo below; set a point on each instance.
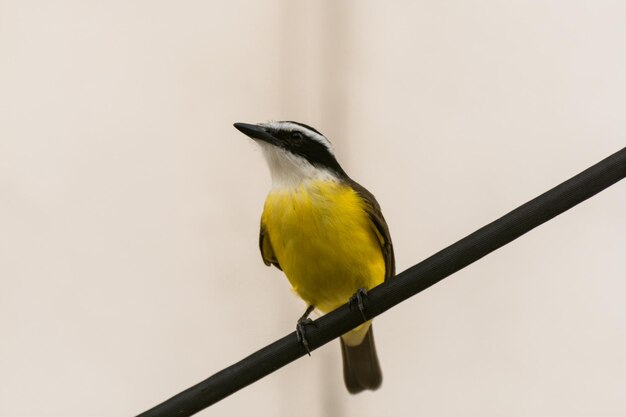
(380, 227)
(267, 253)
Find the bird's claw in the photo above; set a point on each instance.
(301, 332)
(359, 298)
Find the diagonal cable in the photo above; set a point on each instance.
(405, 285)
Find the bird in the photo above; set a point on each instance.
(326, 233)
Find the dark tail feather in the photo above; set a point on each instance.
(361, 369)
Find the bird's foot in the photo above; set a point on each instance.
(301, 332)
(301, 328)
(359, 298)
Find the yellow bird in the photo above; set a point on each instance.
(326, 233)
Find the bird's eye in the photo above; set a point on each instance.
(297, 136)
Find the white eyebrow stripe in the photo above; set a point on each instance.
(309, 133)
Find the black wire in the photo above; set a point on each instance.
(404, 285)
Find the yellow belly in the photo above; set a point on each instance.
(324, 241)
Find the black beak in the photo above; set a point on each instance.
(255, 132)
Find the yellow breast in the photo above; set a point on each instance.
(324, 241)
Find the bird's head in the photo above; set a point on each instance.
(294, 151)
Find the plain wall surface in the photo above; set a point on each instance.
(130, 206)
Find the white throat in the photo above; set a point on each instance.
(289, 170)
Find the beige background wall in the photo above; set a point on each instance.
(129, 206)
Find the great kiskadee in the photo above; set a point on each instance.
(326, 233)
